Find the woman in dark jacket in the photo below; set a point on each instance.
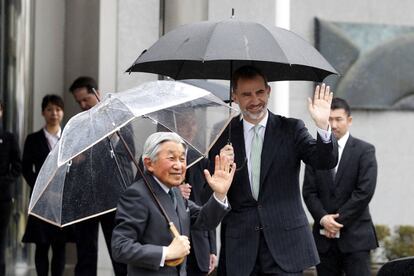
(36, 148)
(10, 169)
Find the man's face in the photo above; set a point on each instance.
(170, 165)
(340, 122)
(252, 96)
(53, 114)
(84, 99)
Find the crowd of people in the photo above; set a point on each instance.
(249, 182)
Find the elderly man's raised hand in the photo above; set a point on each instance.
(320, 106)
(223, 175)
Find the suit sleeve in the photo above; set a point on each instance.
(208, 216)
(131, 220)
(28, 161)
(320, 155)
(16, 163)
(364, 189)
(212, 242)
(311, 196)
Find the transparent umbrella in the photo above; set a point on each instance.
(86, 172)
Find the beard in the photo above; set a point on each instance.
(254, 116)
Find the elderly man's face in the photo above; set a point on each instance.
(170, 165)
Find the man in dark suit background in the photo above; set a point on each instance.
(83, 90)
(142, 238)
(267, 232)
(10, 169)
(338, 201)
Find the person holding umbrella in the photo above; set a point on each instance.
(85, 92)
(142, 238)
(267, 231)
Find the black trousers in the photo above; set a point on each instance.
(58, 258)
(266, 265)
(87, 245)
(335, 263)
(5, 212)
(192, 266)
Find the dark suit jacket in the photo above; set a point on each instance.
(10, 163)
(203, 243)
(278, 213)
(141, 231)
(349, 195)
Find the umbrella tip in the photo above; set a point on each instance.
(232, 13)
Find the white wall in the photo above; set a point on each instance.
(138, 29)
(48, 54)
(389, 131)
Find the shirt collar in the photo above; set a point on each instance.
(163, 186)
(48, 134)
(343, 140)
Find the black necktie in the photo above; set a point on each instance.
(173, 198)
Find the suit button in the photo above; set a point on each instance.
(257, 228)
(259, 206)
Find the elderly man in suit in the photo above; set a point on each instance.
(267, 232)
(142, 238)
(338, 201)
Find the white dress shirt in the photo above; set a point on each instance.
(341, 146)
(52, 139)
(248, 131)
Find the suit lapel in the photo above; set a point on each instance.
(345, 158)
(272, 139)
(237, 140)
(44, 143)
(165, 201)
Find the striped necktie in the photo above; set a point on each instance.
(255, 157)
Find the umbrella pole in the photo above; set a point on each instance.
(230, 98)
(172, 227)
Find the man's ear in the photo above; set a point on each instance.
(234, 97)
(268, 89)
(350, 120)
(148, 164)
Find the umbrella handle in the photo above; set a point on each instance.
(176, 234)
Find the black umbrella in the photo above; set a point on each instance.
(213, 50)
(219, 90)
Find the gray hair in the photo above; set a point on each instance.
(153, 142)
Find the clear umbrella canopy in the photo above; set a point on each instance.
(89, 168)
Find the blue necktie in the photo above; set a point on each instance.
(173, 198)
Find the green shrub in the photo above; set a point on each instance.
(383, 232)
(401, 243)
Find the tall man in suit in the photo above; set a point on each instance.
(267, 232)
(86, 232)
(142, 238)
(338, 201)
